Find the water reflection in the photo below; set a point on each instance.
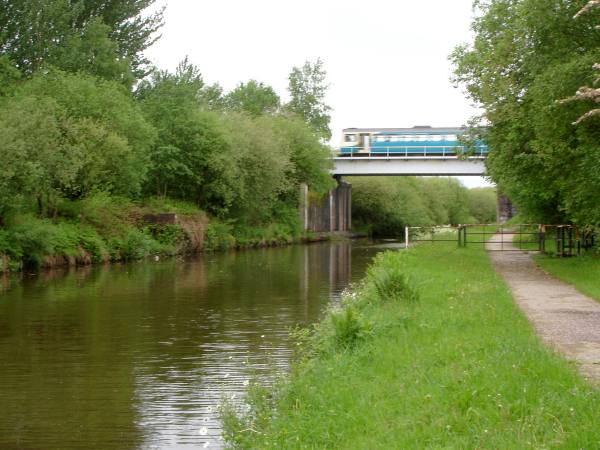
(139, 356)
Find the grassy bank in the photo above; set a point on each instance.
(582, 272)
(430, 352)
(102, 228)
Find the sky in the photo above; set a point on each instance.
(386, 60)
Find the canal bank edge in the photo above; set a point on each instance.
(430, 350)
(136, 233)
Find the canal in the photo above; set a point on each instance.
(139, 356)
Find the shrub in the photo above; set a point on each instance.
(348, 328)
(34, 238)
(218, 236)
(135, 244)
(389, 281)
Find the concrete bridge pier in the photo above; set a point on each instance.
(329, 213)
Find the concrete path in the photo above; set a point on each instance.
(564, 318)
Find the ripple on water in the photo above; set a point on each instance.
(140, 356)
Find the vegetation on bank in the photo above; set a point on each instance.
(423, 356)
(384, 205)
(102, 229)
(92, 138)
(526, 59)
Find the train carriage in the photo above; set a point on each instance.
(419, 141)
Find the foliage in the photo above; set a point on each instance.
(587, 93)
(80, 150)
(391, 283)
(9, 75)
(307, 90)
(348, 328)
(190, 159)
(526, 57)
(482, 204)
(253, 98)
(309, 157)
(102, 36)
(387, 204)
(66, 136)
(261, 161)
(218, 236)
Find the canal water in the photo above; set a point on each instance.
(140, 356)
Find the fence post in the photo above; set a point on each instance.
(406, 237)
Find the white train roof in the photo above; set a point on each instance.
(418, 129)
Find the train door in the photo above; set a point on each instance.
(365, 143)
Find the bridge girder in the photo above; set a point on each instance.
(402, 166)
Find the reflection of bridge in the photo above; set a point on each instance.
(408, 165)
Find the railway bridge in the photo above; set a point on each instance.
(417, 151)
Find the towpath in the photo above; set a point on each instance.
(564, 318)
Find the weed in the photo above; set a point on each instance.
(348, 328)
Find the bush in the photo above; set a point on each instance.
(135, 244)
(218, 236)
(34, 237)
(168, 237)
(389, 281)
(348, 328)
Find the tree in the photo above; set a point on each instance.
(307, 89)
(386, 205)
(262, 163)
(586, 93)
(93, 51)
(38, 32)
(310, 158)
(482, 204)
(9, 75)
(68, 136)
(130, 29)
(253, 98)
(527, 55)
(35, 157)
(190, 159)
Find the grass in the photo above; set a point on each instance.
(582, 272)
(433, 354)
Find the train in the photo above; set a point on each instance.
(415, 141)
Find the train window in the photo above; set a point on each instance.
(388, 138)
(437, 138)
(350, 138)
(451, 137)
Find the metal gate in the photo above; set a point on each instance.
(561, 240)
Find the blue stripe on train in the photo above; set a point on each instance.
(413, 147)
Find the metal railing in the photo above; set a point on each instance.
(411, 151)
(560, 240)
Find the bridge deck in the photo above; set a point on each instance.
(408, 165)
